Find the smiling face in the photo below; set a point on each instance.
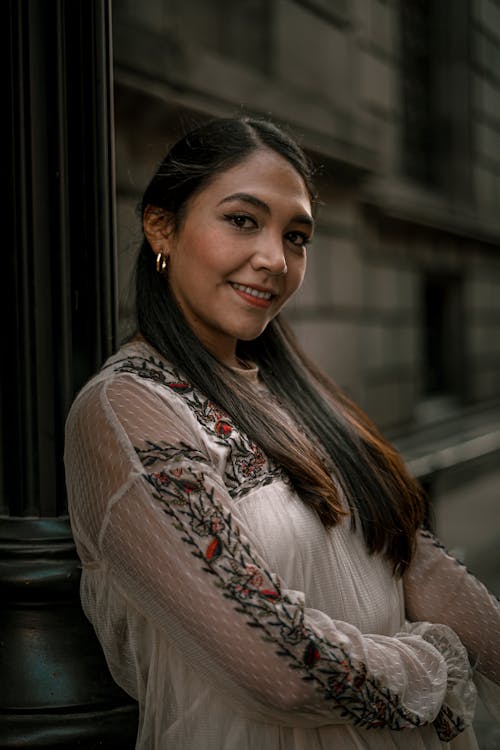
(239, 252)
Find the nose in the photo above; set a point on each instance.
(270, 256)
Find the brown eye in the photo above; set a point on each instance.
(241, 221)
(299, 239)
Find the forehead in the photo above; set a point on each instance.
(265, 174)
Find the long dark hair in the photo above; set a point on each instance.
(334, 444)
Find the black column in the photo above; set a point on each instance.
(59, 323)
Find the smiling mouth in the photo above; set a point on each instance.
(252, 292)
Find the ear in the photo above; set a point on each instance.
(158, 225)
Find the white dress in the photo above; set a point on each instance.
(229, 612)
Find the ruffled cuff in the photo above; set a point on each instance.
(457, 711)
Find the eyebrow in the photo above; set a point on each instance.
(258, 203)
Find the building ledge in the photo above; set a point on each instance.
(398, 199)
(188, 76)
(472, 433)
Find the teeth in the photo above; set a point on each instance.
(253, 292)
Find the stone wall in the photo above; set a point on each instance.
(387, 243)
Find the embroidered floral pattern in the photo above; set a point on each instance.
(448, 725)
(247, 467)
(188, 497)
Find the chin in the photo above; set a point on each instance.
(250, 335)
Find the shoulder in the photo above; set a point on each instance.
(134, 379)
(129, 406)
(138, 362)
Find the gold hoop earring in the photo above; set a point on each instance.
(161, 263)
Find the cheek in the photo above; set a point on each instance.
(201, 254)
(296, 275)
(186, 263)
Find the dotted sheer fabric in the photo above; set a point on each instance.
(229, 612)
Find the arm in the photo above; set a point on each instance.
(438, 588)
(143, 489)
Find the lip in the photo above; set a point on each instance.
(257, 287)
(255, 301)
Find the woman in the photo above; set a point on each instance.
(253, 562)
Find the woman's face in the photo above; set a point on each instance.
(240, 251)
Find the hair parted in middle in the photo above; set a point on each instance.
(356, 471)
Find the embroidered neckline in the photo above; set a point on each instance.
(246, 466)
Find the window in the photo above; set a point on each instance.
(417, 91)
(442, 335)
(436, 94)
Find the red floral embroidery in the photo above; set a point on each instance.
(255, 576)
(188, 497)
(213, 550)
(256, 594)
(269, 594)
(180, 387)
(223, 428)
(252, 463)
(216, 524)
(161, 477)
(247, 466)
(311, 654)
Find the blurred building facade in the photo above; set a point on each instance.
(398, 103)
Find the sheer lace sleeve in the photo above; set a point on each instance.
(438, 588)
(146, 501)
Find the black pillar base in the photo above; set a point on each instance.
(56, 690)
